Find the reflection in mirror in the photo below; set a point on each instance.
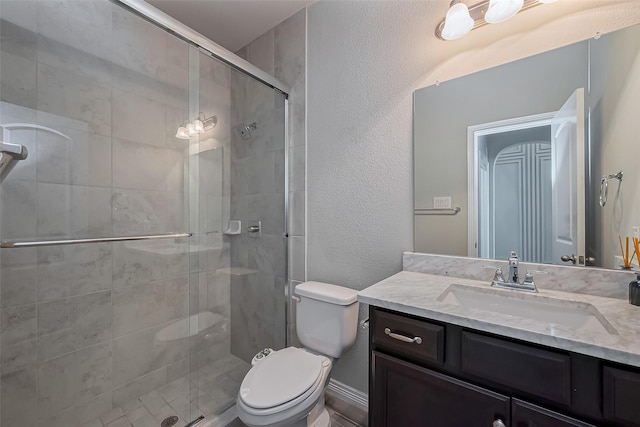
(521, 148)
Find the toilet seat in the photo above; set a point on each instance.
(282, 380)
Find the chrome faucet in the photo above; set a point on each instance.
(513, 280)
(514, 261)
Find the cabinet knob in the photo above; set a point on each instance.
(402, 338)
(498, 423)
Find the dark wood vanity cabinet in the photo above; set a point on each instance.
(425, 373)
(409, 395)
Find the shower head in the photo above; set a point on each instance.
(245, 131)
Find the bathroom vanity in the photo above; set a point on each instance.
(439, 356)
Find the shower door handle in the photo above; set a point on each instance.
(9, 154)
(17, 151)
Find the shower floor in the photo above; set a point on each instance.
(214, 389)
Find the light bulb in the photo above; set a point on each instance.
(457, 23)
(182, 133)
(501, 10)
(190, 130)
(198, 126)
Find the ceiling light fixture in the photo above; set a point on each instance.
(461, 19)
(199, 125)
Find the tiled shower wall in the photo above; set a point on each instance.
(281, 52)
(79, 324)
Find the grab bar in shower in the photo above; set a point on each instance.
(9, 245)
(437, 211)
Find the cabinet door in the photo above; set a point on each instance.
(407, 395)
(525, 414)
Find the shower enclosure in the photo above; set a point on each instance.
(129, 292)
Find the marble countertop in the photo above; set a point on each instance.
(418, 293)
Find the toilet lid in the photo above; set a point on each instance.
(281, 377)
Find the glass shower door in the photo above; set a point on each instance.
(238, 221)
(93, 331)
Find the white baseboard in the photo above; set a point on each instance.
(349, 394)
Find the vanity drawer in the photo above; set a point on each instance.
(621, 389)
(404, 336)
(529, 369)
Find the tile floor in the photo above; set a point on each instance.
(215, 388)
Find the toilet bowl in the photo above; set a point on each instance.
(284, 388)
(287, 387)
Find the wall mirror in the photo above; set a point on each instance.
(513, 157)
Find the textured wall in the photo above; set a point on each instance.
(364, 61)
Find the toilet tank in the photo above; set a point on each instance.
(326, 317)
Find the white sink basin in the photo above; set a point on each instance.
(551, 311)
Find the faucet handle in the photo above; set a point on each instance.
(528, 282)
(498, 276)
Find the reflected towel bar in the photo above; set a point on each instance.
(8, 245)
(437, 211)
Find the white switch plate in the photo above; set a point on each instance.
(442, 202)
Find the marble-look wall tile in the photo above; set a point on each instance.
(138, 211)
(176, 166)
(219, 293)
(74, 96)
(70, 324)
(587, 280)
(138, 45)
(268, 255)
(260, 52)
(269, 208)
(256, 301)
(18, 276)
(18, 356)
(73, 211)
(297, 168)
(138, 118)
(297, 213)
(18, 80)
(85, 25)
(65, 271)
(142, 306)
(138, 307)
(140, 353)
(17, 32)
(176, 218)
(73, 379)
(297, 251)
(139, 166)
(17, 324)
(18, 201)
(261, 174)
(55, 52)
(19, 397)
(289, 50)
(84, 159)
(81, 414)
(136, 263)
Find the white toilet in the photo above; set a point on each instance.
(287, 387)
